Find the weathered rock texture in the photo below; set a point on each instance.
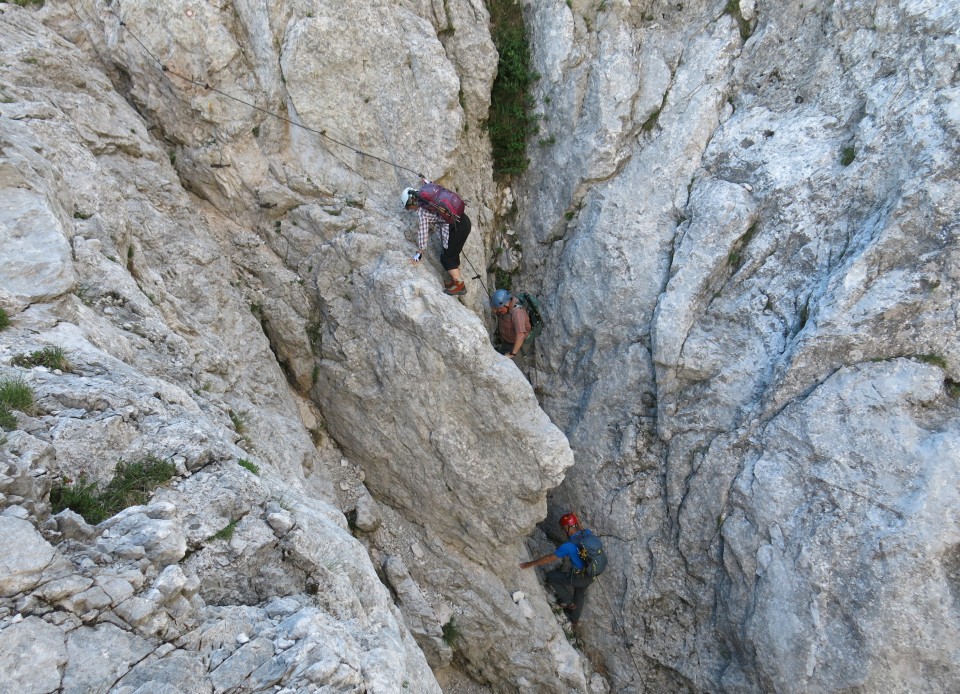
(746, 235)
(233, 294)
(741, 217)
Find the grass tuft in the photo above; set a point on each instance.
(15, 394)
(226, 533)
(239, 420)
(4, 319)
(132, 485)
(252, 467)
(8, 420)
(51, 357)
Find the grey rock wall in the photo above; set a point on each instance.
(745, 234)
(230, 289)
(741, 218)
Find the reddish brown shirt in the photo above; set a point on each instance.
(514, 322)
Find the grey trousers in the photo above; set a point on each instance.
(570, 587)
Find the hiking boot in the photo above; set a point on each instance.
(456, 289)
(449, 282)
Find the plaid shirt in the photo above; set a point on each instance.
(425, 220)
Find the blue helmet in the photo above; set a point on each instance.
(500, 298)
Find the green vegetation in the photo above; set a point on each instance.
(735, 256)
(239, 420)
(8, 420)
(315, 334)
(847, 155)
(252, 467)
(50, 357)
(504, 280)
(227, 532)
(511, 122)
(934, 359)
(953, 388)
(26, 3)
(132, 485)
(651, 122)
(451, 632)
(4, 319)
(14, 395)
(733, 9)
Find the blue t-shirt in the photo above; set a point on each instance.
(569, 549)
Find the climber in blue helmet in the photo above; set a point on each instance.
(513, 322)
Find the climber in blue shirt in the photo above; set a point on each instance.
(570, 584)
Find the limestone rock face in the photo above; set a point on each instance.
(216, 280)
(741, 219)
(746, 243)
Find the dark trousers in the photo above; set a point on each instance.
(450, 256)
(570, 587)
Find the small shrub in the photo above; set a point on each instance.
(132, 485)
(451, 632)
(252, 467)
(4, 319)
(847, 155)
(511, 121)
(15, 394)
(953, 388)
(80, 497)
(51, 357)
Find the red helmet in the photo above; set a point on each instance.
(569, 519)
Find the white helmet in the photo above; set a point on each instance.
(406, 196)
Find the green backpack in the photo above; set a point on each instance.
(532, 304)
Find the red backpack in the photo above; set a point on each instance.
(441, 201)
